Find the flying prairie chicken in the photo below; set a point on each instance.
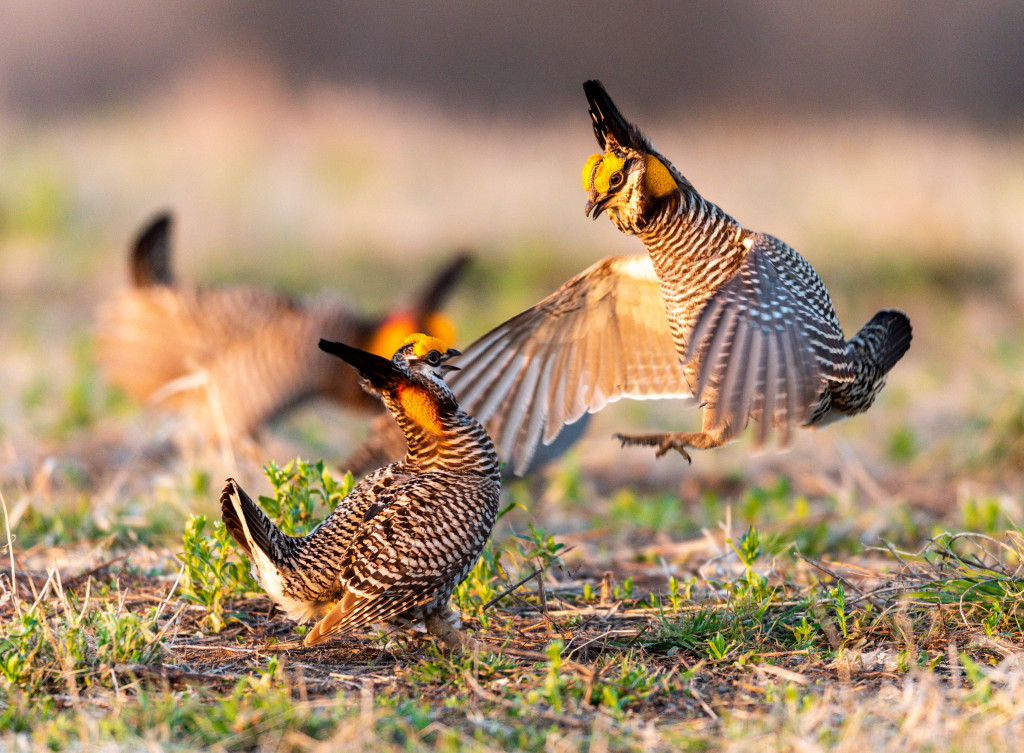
(406, 535)
(236, 357)
(733, 318)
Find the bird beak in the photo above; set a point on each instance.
(594, 209)
(447, 367)
(379, 372)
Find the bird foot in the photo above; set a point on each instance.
(452, 639)
(675, 440)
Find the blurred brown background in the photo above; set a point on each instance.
(954, 61)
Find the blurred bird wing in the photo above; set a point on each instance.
(602, 336)
(405, 554)
(762, 348)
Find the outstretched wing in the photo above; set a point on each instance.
(602, 336)
(764, 349)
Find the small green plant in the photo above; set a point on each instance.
(540, 546)
(804, 633)
(481, 585)
(624, 590)
(304, 494)
(556, 683)
(718, 648)
(215, 568)
(838, 596)
(690, 631)
(679, 594)
(751, 587)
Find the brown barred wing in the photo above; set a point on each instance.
(762, 350)
(604, 335)
(414, 551)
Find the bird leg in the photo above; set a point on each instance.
(451, 637)
(676, 440)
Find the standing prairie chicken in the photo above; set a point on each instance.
(406, 535)
(736, 319)
(236, 357)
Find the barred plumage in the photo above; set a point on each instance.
(735, 319)
(396, 547)
(236, 357)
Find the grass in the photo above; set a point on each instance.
(765, 641)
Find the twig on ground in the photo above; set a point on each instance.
(507, 591)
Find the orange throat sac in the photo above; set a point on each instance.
(421, 407)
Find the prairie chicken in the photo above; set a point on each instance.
(397, 546)
(236, 357)
(736, 320)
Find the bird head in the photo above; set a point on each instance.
(423, 354)
(421, 357)
(413, 379)
(628, 179)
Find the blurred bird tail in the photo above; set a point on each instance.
(151, 253)
(434, 295)
(884, 339)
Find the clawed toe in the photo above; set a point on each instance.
(663, 443)
(671, 444)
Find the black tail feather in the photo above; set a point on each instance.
(379, 372)
(890, 332)
(151, 253)
(255, 520)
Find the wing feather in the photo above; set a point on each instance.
(751, 345)
(603, 336)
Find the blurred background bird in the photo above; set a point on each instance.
(234, 358)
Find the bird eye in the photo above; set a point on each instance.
(433, 358)
(615, 180)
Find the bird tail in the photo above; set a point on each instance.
(884, 339)
(250, 526)
(151, 253)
